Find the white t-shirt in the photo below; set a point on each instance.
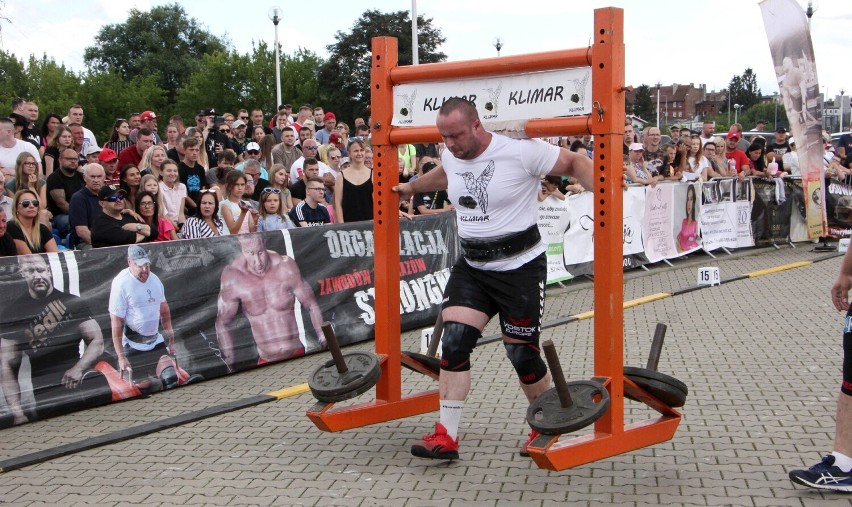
(136, 302)
(8, 156)
(296, 169)
(496, 193)
(694, 174)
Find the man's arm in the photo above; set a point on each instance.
(166, 319)
(94, 340)
(571, 164)
(84, 233)
(303, 292)
(117, 328)
(227, 309)
(840, 289)
(436, 179)
(10, 363)
(58, 196)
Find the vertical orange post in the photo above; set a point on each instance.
(607, 125)
(611, 436)
(389, 403)
(385, 219)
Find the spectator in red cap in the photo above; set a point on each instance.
(336, 140)
(109, 160)
(148, 119)
(329, 122)
(737, 159)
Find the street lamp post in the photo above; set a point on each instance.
(498, 44)
(415, 59)
(840, 125)
(275, 15)
(775, 98)
(658, 103)
(737, 112)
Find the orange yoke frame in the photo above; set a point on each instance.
(606, 123)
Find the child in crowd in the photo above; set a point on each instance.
(272, 213)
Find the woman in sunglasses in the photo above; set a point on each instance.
(29, 235)
(272, 215)
(207, 224)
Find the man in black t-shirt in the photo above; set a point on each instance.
(191, 173)
(776, 149)
(61, 185)
(47, 326)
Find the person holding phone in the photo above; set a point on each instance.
(237, 214)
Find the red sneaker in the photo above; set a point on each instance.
(525, 448)
(438, 445)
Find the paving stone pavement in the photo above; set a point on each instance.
(761, 356)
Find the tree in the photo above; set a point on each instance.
(163, 42)
(13, 77)
(643, 104)
(744, 90)
(106, 96)
(768, 112)
(345, 77)
(230, 80)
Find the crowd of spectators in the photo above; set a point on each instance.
(245, 172)
(226, 174)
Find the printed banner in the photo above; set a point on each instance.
(793, 56)
(512, 98)
(725, 214)
(659, 223)
(80, 329)
(553, 220)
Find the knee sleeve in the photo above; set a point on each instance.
(458, 341)
(526, 358)
(169, 378)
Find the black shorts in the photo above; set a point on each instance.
(846, 386)
(516, 295)
(144, 362)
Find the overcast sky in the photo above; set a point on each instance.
(668, 41)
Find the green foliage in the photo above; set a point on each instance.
(743, 90)
(163, 42)
(764, 112)
(345, 77)
(106, 96)
(53, 87)
(230, 81)
(643, 104)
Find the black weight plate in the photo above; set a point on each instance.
(665, 388)
(431, 363)
(634, 371)
(328, 385)
(547, 416)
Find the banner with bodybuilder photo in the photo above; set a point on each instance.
(795, 67)
(79, 329)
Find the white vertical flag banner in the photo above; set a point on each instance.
(793, 57)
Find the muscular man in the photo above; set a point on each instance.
(47, 325)
(834, 472)
(493, 182)
(137, 311)
(265, 285)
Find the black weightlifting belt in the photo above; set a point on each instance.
(500, 247)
